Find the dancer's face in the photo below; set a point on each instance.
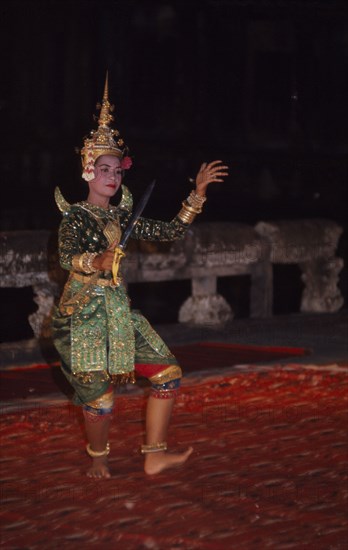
(107, 176)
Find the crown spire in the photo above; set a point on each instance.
(105, 116)
(106, 87)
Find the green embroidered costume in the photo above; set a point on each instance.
(95, 332)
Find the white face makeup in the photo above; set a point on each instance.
(107, 179)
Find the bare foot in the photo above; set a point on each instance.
(157, 462)
(99, 468)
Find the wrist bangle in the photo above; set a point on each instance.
(88, 262)
(196, 200)
(84, 262)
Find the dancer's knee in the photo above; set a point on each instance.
(100, 408)
(166, 384)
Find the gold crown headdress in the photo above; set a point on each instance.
(104, 140)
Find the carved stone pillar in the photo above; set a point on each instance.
(40, 321)
(321, 294)
(312, 245)
(205, 306)
(261, 291)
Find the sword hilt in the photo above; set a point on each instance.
(118, 255)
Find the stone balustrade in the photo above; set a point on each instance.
(311, 244)
(209, 251)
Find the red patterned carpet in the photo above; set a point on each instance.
(269, 470)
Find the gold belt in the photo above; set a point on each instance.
(98, 282)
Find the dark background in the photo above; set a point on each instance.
(261, 84)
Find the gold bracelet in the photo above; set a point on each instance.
(88, 262)
(196, 200)
(97, 454)
(84, 262)
(154, 448)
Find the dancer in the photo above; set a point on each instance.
(101, 341)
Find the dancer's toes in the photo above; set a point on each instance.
(99, 469)
(157, 462)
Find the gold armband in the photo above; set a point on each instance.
(75, 262)
(81, 263)
(191, 207)
(187, 214)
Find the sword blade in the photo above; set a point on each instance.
(136, 215)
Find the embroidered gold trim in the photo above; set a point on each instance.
(170, 373)
(125, 378)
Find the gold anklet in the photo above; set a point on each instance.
(154, 448)
(97, 454)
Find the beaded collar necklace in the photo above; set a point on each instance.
(105, 219)
(98, 211)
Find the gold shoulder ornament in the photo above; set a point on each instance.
(64, 206)
(126, 202)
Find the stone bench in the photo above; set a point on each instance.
(209, 251)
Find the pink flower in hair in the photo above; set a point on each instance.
(126, 163)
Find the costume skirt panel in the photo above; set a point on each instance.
(151, 356)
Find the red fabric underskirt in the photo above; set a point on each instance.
(148, 370)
